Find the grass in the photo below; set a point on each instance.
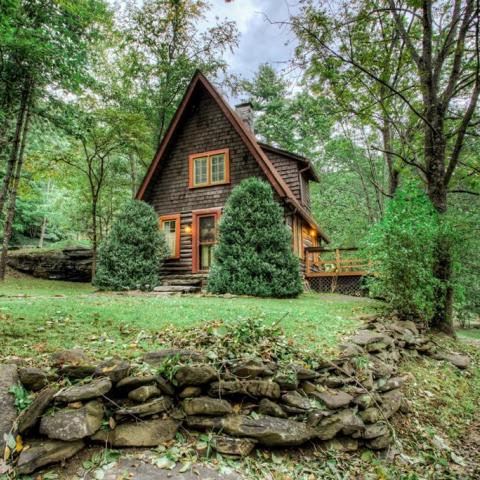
(472, 333)
(54, 315)
(28, 287)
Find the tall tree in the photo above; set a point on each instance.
(45, 47)
(163, 45)
(440, 97)
(299, 121)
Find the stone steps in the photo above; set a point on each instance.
(177, 289)
(181, 283)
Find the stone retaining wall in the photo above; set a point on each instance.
(250, 403)
(73, 264)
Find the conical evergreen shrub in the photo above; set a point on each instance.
(133, 252)
(254, 256)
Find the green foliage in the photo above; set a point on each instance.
(402, 247)
(254, 255)
(22, 400)
(131, 255)
(300, 123)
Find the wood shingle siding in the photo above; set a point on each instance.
(288, 169)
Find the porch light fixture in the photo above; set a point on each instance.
(188, 229)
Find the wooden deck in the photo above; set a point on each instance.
(338, 262)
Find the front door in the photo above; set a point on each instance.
(205, 232)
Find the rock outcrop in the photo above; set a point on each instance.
(73, 264)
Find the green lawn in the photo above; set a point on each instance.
(472, 333)
(55, 315)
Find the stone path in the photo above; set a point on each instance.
(139, 469)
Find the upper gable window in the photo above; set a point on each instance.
(209, 168)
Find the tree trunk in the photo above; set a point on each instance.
(443, 316)
(393, 173)
(435, 148)
(94, 234)
(42, 231)
(12, 197)
(12, 159)
(133, 175)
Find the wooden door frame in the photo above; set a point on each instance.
(196, 214)
(178, 226)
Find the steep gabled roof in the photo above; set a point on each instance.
(277, 182)
(308, 166)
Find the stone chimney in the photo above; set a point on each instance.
(245, 112)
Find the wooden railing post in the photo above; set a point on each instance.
(337, 259)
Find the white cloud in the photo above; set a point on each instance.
(261, 40)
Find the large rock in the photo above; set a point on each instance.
(460, 361)
(380, 442)
(76, 371)
(199, 422)
(233, 446)
(133, 382)
(304, 373)
(345, 421)
(294, 399)
(268, 431)
(33, 378)
(195, 375)
(272, 409)
(206, 406)
(159, 405)
(142, 394)
(29, 417)
(72, 356)
(374, 430)
(365, 337)
(371, 415)
(165, 385)
(391, 402)
(8, 412)
(287, 381)
(44, 452)
(391, 383)
(190, 392)
(406, 326)
(253, 388)
(335, 399)
(115, 369)
(157, 358)
(74, 424)
(72, 264)
(93, 389)
(149, 433)
(252, 368)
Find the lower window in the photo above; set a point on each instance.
(170, 226)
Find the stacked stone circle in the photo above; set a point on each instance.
(343, 404)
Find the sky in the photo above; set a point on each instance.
(260, 40)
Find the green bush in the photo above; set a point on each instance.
(402, 247)
(254, 255)
(131, 255)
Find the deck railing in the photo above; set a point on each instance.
(321, 262)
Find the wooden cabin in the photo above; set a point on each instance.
(208, 149)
